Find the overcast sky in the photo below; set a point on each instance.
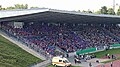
(62, 4)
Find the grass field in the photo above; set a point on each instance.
(111, 51)
(13, 56)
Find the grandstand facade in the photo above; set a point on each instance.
(52, 31)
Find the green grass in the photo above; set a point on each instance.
(111, 60)
(103, 53)
(13, 56)
(54, 66)
(118, 58)
(111, 51)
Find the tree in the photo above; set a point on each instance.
(0, 7)
(118, 12)
(104, 10)
(26, 6)
(16, 6)
(10, 8)
(111, 11)
(87, 11)
(3, 9)
(33, 7)
(84, 11)
(79, 11)
(21, 6)
(98, 12)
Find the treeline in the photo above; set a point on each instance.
(102, 10)
(16, 6)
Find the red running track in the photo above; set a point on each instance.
(115, 64)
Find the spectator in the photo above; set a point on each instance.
(111, 64)
(90, 65)
(42, 36)
(97, 61)
(67, 55)
(75, 60)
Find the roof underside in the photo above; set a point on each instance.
(62, 17)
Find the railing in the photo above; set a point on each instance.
(86, 51)
(92, 50)
(59, 49)
(115, 45)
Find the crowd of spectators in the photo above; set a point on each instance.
(95, 36)
(68, 37)
(114, 29)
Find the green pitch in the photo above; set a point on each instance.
(13, 56)
(102, 54)
(110, 51)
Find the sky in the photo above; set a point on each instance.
(70, 5)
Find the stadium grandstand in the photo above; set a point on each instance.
(52, 32)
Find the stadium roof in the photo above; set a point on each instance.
(56, 16)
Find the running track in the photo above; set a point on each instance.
(115, 64)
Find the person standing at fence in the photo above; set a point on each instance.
(75, 60)
(67, 55)
(90, 65)
(111, 64)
